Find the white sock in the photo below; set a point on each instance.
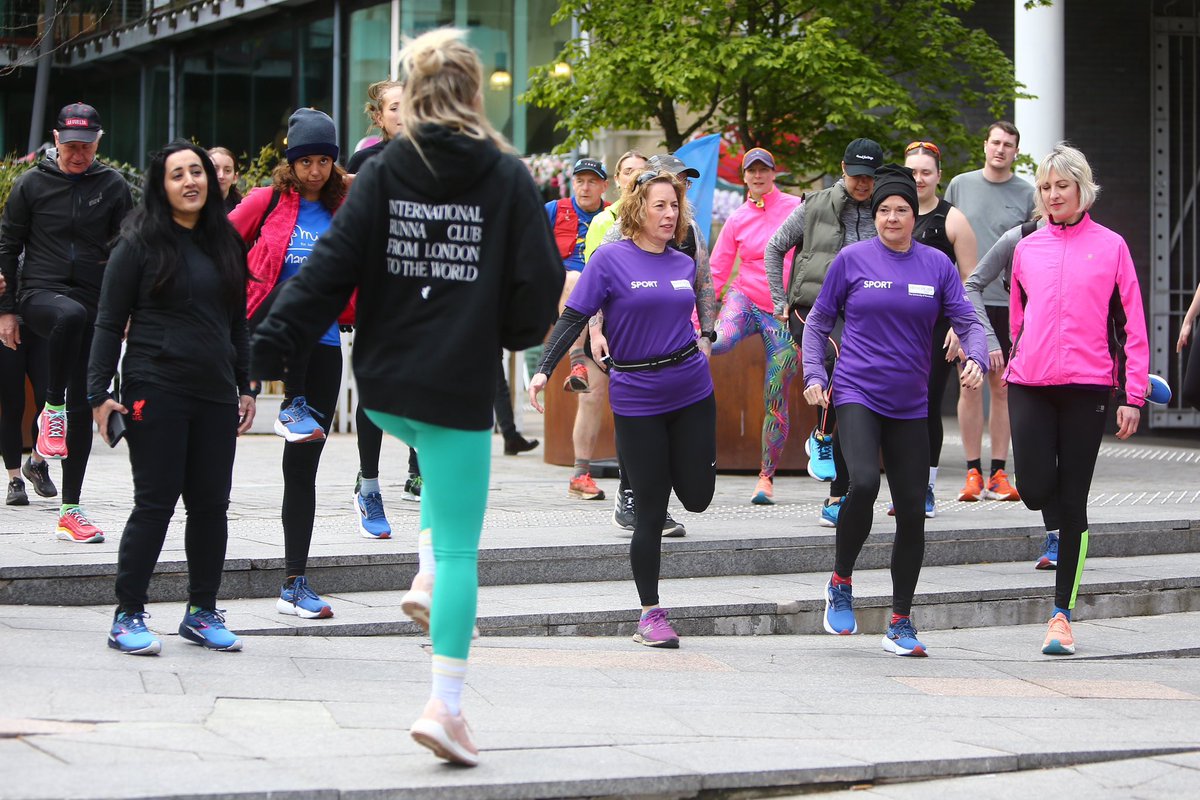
(368, 486)
(932, 477)
(449, 674)
(425, 563)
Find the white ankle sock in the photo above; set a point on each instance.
(425, 563)
(449, 674)
(933, 476)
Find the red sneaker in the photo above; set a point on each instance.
(998, 488)
(577, 381)
(52, 434)
(584, 488)
(74, 526)
(973, 487)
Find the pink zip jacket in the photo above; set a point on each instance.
(1076, 312)
(746, 234)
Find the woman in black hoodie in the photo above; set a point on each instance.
(446, 238)
(177, 278)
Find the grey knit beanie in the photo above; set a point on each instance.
(311, 133)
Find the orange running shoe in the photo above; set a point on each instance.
(764, 492)
(1059, 641)
(972, 488)
(584, 488)
(74, 526)
(577, 381)
(998, 488)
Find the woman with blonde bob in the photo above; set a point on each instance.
(1079, 345)
(660, 386)
(445, 236)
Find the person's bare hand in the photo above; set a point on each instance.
(816, 396)
(1128, 418)
(971, 376)
(536, 385)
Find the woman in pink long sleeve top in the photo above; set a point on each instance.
(1079, 343)
(747, 306)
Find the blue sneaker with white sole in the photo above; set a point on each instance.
(901, 639)
(372, 522)
(129, 634)
(830, 509)
(297, 422)
(1049, 557)
(839, 610)
(206, 627)
(298, 598)
(819, 447)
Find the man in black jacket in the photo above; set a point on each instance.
(63, 214)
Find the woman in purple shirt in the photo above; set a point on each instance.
(890, 292)
(660, 386)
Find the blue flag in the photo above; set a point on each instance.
(702, 154)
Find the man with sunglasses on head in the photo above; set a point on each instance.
(823, 223)
(994, 200)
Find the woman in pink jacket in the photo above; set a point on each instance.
(1079, 344)
(746, 308)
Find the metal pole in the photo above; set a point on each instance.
(339, 113)
(42, 82)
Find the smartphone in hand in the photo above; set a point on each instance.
(116, 428)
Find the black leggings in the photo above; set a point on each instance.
(67, 326)
(826, 417)
(904, 443)
(370, 441)
(300, 459)
(939, 372)
(178, 445)
(502, 406)
(676, 450)
(28, 359)
(1056, 434)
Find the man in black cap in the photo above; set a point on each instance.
(570, 218)
(821, 226)
(63, 214)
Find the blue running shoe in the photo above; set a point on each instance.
(130, 635)
(901, 639)
(829, 513)
(372, 523)
(300, 600)
(930, 507)
(206, 627)
(297, 423)
(839, 610)
(1049, 557)
(819, 447)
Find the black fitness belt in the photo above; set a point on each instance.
(682, 354)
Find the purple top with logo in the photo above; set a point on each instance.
(890, 302)
(647, 300)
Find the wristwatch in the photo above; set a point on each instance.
(710, 335)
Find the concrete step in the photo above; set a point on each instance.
(948, 597)
(696, 556)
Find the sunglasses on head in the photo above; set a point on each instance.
(930, 146)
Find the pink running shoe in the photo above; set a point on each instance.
(654, 630)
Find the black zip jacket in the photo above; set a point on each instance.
(189, 339)
(65, 225)
(451, 265)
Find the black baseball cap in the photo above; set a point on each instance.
(863, 157)
(78, 122)
(590, 165)
(672, 164)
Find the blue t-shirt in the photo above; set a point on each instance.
(574, 261)
(647, 300)
(314, 219)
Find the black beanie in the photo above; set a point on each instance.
(311, 133)
(894, 179)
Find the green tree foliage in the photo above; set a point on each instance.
(801, 77)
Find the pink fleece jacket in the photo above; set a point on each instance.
(746, 234)
(1076, 312)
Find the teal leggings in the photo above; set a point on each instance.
(455, 465)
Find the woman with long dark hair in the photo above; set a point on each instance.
(177, 278)
(282, 224)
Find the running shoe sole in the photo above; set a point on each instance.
(990, 495)
(152, 649)
(416, 604)
(432, 735)
(1056, 648)
(284, 607)
(576, 386)
(1045, 563)
(826, 522)
(578, 495)
(894, 647)
(678, 532)
(195, 637)
(669, 644)
(762, 499)
(66, 536)
(298, 438)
